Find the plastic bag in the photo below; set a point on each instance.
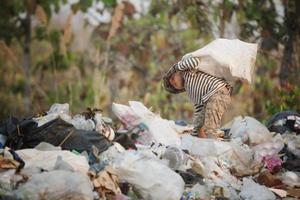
(36, 158)
(203, 147)
(250, 130)
(293, 144)
(175, 156)
(155, 128)
(253, 191)
(56, 110)
(237, 63)
(151, 178)
(291, 179)
(269, 148)
(56, 184)
(80, 123)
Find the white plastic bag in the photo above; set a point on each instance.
(80, 123)
(56, 110)
(47, 159)
(203, 147)
(251, 130)
(269, 148)
(56, 184)
(253, 191)
(149, 176)
(228, 59)
(158, 130)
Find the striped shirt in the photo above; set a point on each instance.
(199, 85)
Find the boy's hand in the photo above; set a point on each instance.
(187, 56)
(201, 133)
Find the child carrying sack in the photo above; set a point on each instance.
(228, 59)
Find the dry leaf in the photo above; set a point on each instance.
(116, 20)
(129, 8)
(7, 163)
(41, 15)
(7, 52)
(279, 192)
(107, 182)
(66, 38)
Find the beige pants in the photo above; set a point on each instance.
(210, 116)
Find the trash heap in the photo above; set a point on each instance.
(59, 156)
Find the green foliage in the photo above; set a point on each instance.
(285, 99)
(130, 66)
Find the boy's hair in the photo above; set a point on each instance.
(166, 80)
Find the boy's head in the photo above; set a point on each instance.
(176, 80)
(173, 80)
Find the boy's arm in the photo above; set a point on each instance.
(188, 64)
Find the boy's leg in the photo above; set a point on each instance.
(215, 108)
(198, 120)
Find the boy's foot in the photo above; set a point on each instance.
(215, 134)
(201, 133)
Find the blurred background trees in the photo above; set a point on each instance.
(90, 53)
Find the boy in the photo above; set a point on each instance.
(210, 95)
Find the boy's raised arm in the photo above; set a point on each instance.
(188, 64)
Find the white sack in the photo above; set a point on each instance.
(228, 59)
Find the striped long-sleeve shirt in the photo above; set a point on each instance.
(199, 85)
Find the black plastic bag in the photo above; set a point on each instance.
(26, 134)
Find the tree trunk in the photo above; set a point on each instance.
(27, 61)
(290, 66)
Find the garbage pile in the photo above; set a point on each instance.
(57, 156)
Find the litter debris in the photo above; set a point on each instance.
(57, 156)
